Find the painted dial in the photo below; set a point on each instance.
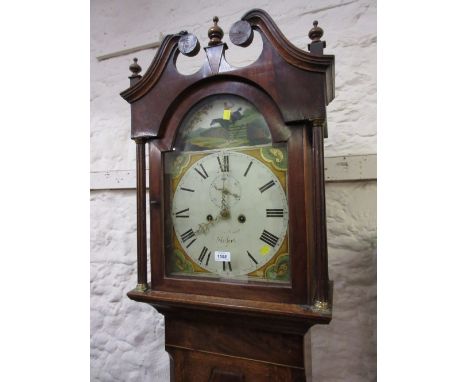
(230, 213)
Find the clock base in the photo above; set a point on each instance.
(215, 347)
(225, 339)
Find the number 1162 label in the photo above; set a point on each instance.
(222, 256)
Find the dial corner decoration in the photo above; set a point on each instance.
(276, 156)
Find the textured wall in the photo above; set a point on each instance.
(127, 338)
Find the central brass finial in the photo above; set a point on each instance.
(215, 33)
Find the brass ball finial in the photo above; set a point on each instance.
(135, 68)
(316, 32)
(215, 33)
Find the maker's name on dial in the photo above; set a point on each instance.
(225, 240)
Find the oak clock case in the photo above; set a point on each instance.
(238, 242)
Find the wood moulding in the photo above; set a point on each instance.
(263, 22)
(259, 20)
(276, 312)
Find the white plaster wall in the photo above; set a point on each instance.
(346, 350)
(127, 338)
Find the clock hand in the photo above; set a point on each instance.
(223, 214)
(224, 206)
(232, 193)
(204, 227)
(227, 192)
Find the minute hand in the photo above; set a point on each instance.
(224, 206)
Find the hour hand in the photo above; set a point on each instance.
(202, 228)
(205, 227)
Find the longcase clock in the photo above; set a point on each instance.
(238, 242)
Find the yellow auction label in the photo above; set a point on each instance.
(227, 114)
(264, 250)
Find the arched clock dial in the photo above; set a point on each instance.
(230, 213)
